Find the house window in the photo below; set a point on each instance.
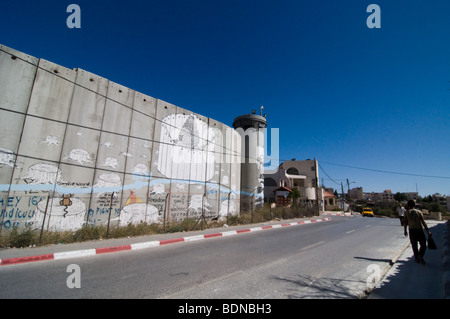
(293, 171)
(269, 182)
(299, 182)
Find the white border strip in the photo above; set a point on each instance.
(145, 245)
(74, 254)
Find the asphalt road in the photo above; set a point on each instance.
(333, 259)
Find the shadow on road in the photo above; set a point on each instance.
(319, 288)
(376, 259)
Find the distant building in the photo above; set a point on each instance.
(356, 193)
(411, 195)
(440, 199)
(299, 174)
(330, 201)
(386, 196)
(282, 196)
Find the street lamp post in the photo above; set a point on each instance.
(349, 196)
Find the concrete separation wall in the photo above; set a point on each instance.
(149, 244)
(78, 149)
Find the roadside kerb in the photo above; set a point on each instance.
(365, 294)
(145, 245)
(337, 214)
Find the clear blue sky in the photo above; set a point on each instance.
(376, 99)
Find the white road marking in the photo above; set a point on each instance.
(313, 245)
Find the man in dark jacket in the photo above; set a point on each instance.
(414, 219)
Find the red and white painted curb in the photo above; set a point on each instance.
(337, 214)
(145, 245)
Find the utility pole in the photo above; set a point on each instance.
(317, 187)
(349, 197)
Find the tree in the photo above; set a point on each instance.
(400, 197)
(295, 195)
(428, 199)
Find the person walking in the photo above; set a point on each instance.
(401, 213)
(414, 221)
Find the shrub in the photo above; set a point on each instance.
(388, 212)
(89, 232)
(18, 238)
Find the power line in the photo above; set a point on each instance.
(372, 170)
(387, 172)
(320, 167)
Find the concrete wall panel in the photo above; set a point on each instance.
(80, 146)
(6, 171)
(225, 174)
(17, 72)
(52, 91)
(134, 208)
(211, 200)
(214, 152)
(42, 138)
(156, 160)
(145, 104)
(142, 125)
(117, 118)
(163, 110)
(235, 175)
(138, 159)
(59, 213)
(158, 197)
(11, 126)
(87, 108)
(112, 152)
(120, 94)
(181, 162)
(227, 206)
(92, 82)
(32, 183)
(4, 207)
(20, 55)
(179, 196)
(95, 151)
(57, 70)
(136, 185)
(196, 195)
(18, 210)
(75, 179)
(75, 189)
(106, 199)
(199, 167)
(33, 174)
(163, 160)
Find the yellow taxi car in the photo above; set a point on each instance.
(367, 212)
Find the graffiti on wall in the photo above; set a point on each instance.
(185, 162)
